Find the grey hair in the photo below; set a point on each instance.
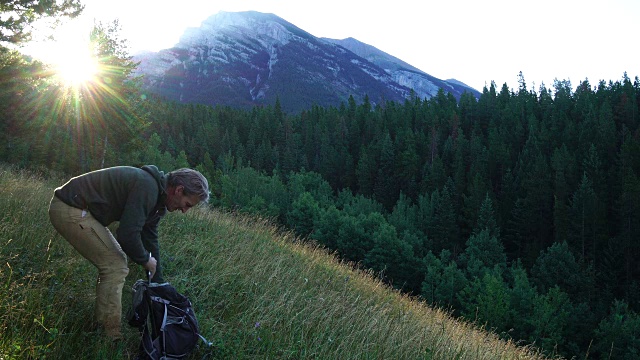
(193, 181)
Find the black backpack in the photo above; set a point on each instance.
(166, 321)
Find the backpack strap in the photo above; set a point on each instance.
(152, 346)
(162, 332)
(148, 345)
(160, 300)
(207, 342)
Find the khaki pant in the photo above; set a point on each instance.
(95, 243)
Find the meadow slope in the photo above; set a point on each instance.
(259, 293)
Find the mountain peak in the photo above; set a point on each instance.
(246, 24)
(251, 58)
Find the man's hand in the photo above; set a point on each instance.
(151, 266)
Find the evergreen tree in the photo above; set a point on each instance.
(403, 216)
(358, 204)
(473, 202)
(517, 232)
(433, 176)
(18, 76)
(327, 227)
(366, 172)
(498, 156)
(424, 215)
(391, 257)
(486, 219)
(523, 295)
(113, 113)
(537, 220)
(355, 238)
(486, 301)
(17, 16)
(585, 215)
(594, 170)
(618, 335)
(557, 266)
(443, 228)
(561, 163)
(208, 168)
(407, 164)
(482, 255)
(628, 208)
(606, 137)
(386, 188)
(314, 184)
(550, 318)
(304, 212)
(443, 281)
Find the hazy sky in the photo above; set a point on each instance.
(474, 41)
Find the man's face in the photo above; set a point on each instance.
(177, 200)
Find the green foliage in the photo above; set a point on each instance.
(356, 237)
(619, 333)
(327, 226)
(557, 267)
(443, 228)
(443, 280)
(486, 300)
(259, 193)
(17, 77)
(484, 254)
(357, 204)
(586, 218)
(16, 16)
(403, 216)
(486, 219)
(523, 294)
(304, 212)
(314, 184)
(563, 166)
(550, 319)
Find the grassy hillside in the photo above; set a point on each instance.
(259, 293)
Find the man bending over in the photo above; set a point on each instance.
(138, 198)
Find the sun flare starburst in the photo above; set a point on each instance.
(76, 67)
(70, 56)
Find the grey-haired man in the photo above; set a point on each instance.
(138, 198)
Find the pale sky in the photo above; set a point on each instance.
(473, 41)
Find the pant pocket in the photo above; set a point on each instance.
(105, 242)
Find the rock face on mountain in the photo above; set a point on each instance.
(424, 85)
(248, 58)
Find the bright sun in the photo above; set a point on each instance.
(75, 65)
(69, 56)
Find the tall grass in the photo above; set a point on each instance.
(259, 293)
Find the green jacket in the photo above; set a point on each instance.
(134, 196)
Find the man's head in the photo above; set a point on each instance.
(186, 188)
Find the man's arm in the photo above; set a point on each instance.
(140, 203)
(149, 237)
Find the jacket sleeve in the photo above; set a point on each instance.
(150, 242)
(129, 234)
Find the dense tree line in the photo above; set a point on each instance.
(519, 209)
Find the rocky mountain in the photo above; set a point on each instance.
(249, 58)
(404, 74)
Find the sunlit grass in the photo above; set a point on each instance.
(259, 293)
